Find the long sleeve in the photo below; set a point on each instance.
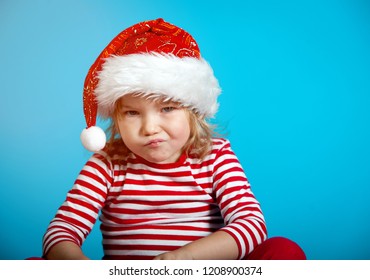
(77, 215)
(239, 208)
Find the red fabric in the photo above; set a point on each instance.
(277, 248)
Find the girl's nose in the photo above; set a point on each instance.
(150, 125)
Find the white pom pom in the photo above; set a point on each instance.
(93, 138)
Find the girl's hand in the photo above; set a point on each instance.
(217, 246)
(180, 254)
(66, 250)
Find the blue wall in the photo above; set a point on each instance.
(295, 104)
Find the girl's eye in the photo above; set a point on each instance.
(168, 109)
(131, 113)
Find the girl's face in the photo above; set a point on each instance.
(152, 129)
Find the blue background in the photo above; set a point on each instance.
(295, 105)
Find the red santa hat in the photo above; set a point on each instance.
(149, 58)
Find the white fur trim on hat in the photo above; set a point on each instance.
(187, 80)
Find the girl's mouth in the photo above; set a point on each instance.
(154, 143)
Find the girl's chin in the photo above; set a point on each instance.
(160, 159)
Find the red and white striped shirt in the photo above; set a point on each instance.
(148, 208)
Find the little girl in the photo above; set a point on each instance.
(164, 187)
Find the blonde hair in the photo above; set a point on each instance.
(198, 145)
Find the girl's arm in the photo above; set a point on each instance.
(77, 215)
(66, 250)
(217, 246)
